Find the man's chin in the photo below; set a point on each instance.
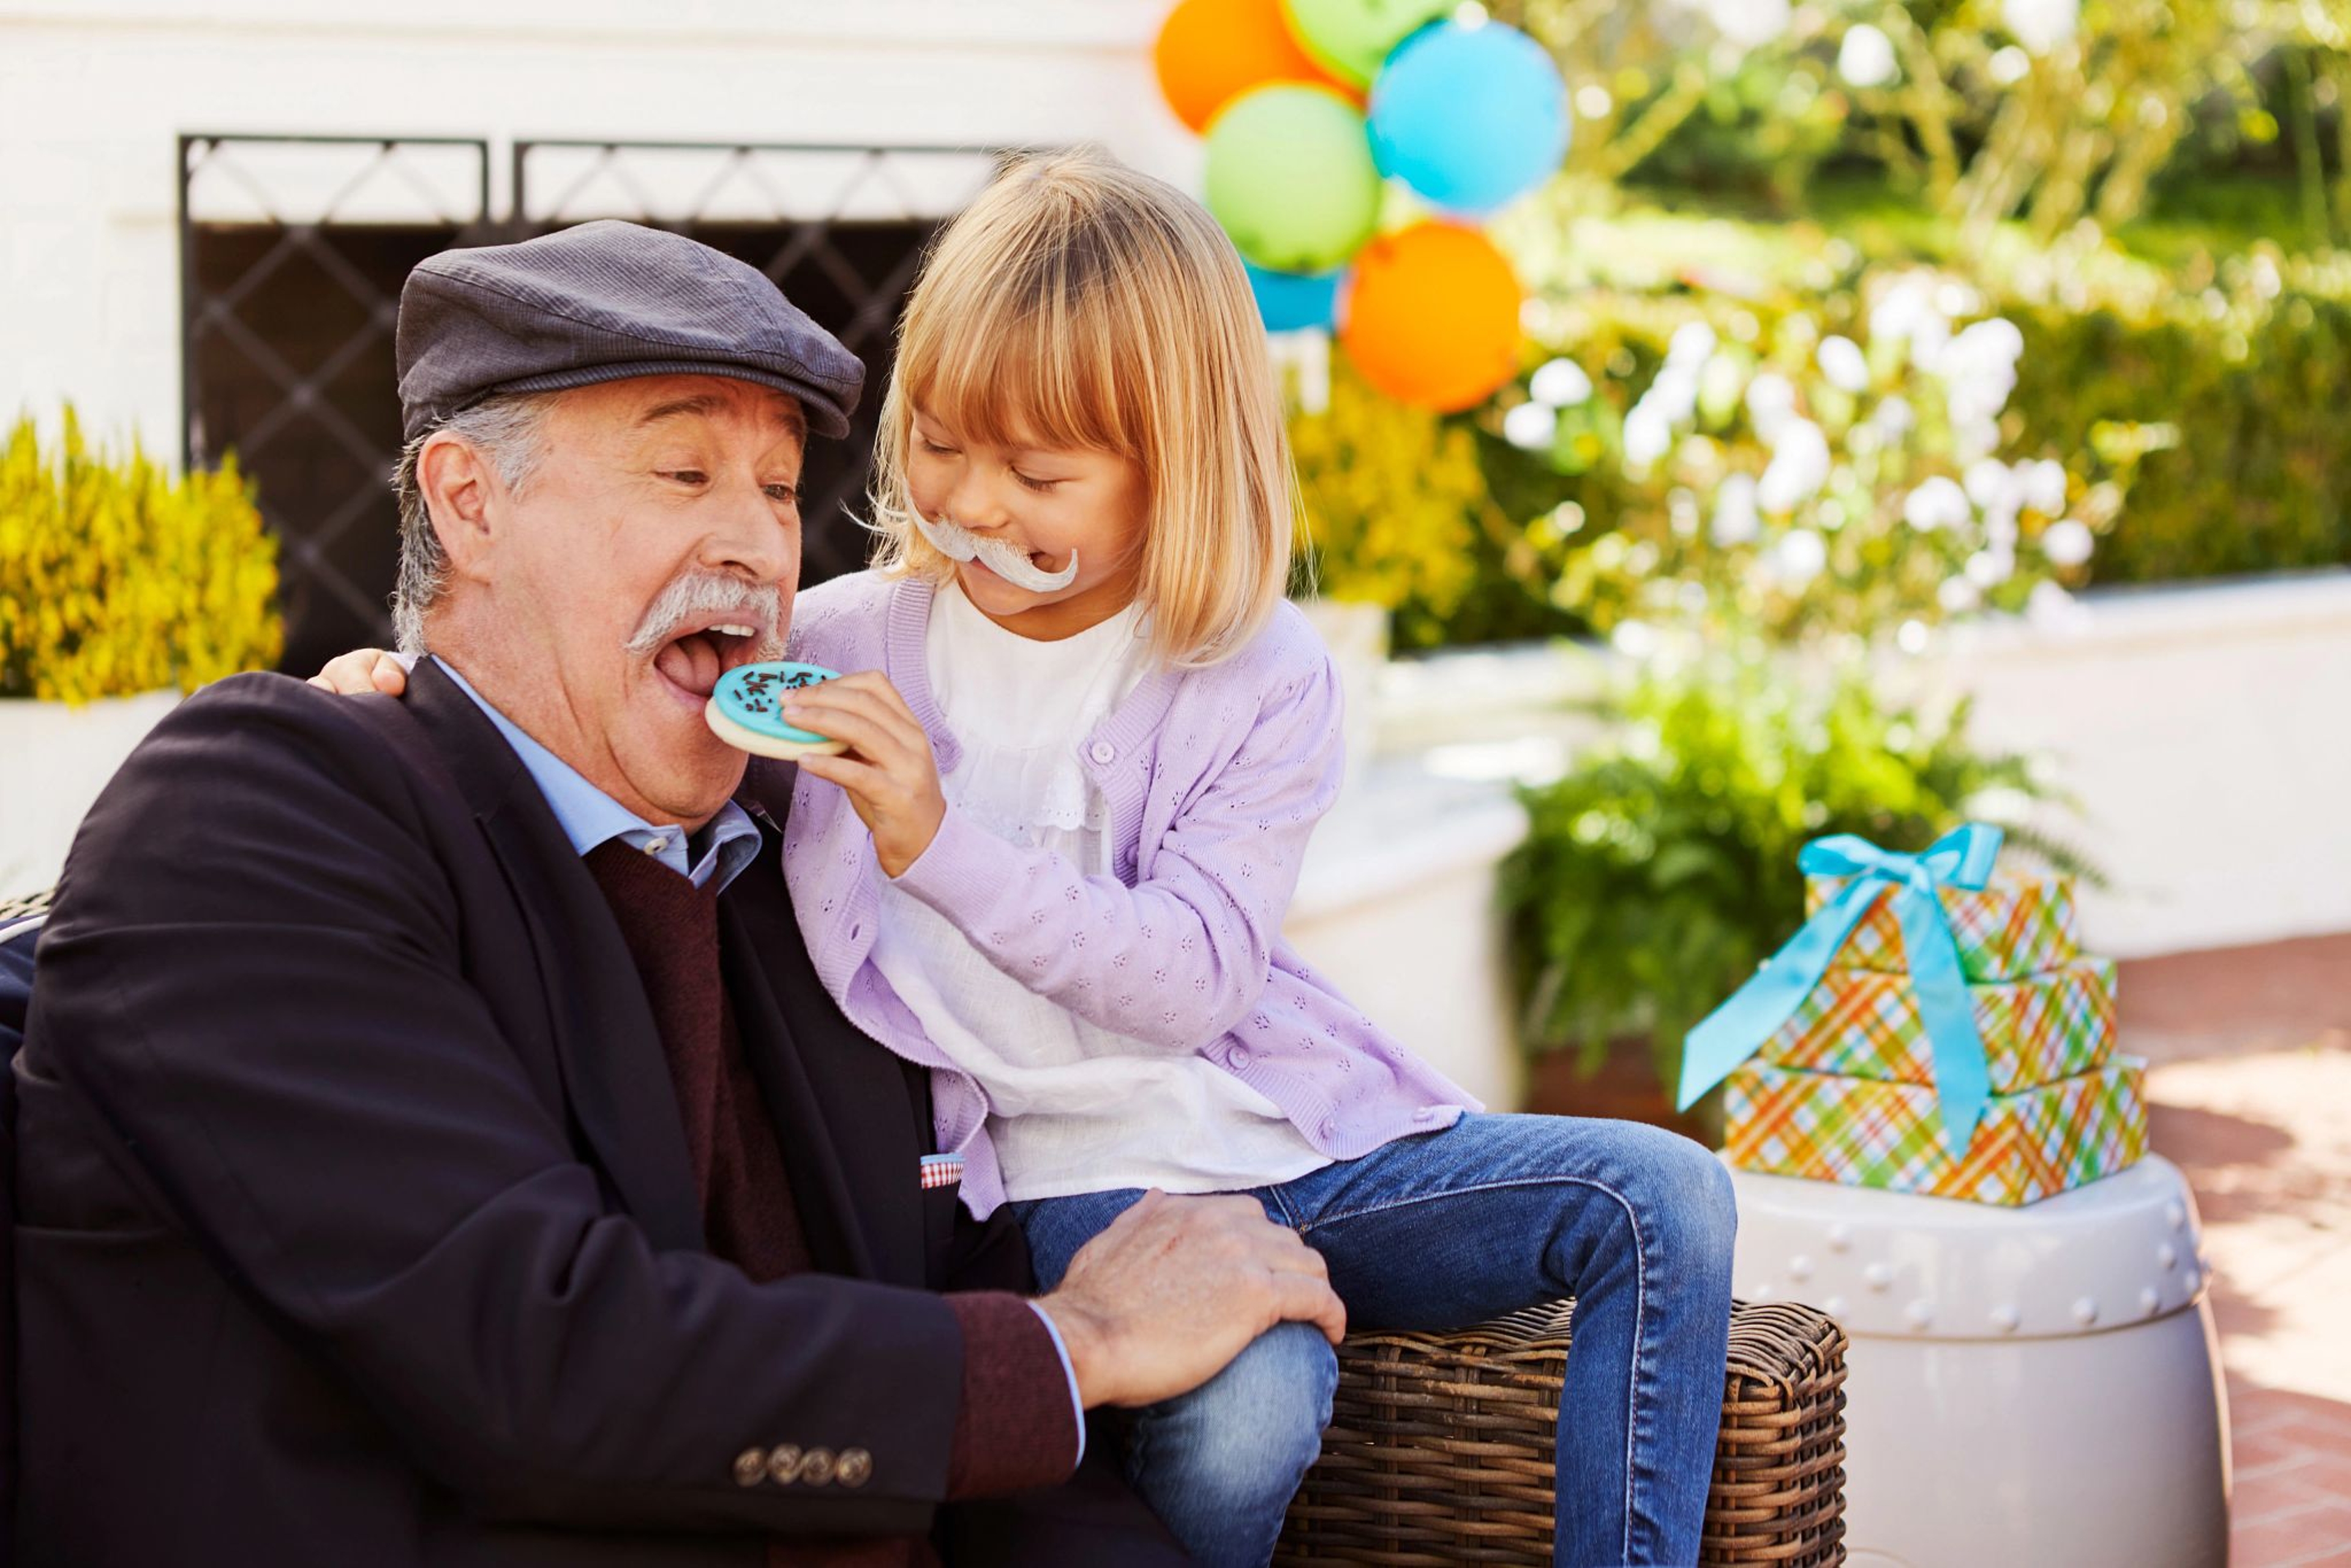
(692, 771)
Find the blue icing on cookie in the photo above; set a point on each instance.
(752, 695)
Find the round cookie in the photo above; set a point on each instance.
(743, 711)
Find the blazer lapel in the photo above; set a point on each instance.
(606, 1040)
(852, 1124)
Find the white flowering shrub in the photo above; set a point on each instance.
(1808, 479)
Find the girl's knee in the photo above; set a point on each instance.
(1279, 1387)
(1248, 1433)
(1715, 1214)
(1681, 1198)
(1696, 1210)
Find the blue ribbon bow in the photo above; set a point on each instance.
(1961, 857)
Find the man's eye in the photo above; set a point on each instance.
(786, 492)
(686, 476)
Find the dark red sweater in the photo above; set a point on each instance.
(1015, 1425)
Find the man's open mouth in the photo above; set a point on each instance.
(694, 659)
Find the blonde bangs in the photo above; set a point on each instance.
(1020, 357)
(1079, 304)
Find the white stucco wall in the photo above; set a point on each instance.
(94, 94)
(2199, 728)
(2202, 729)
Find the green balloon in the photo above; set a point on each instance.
(1291, 179)
(1351, 38)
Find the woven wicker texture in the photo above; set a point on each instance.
(30, 903)
(1439, 1450)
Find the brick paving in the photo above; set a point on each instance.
(2251, 1098)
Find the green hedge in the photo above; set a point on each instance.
(2256, 397)
(2261, 478)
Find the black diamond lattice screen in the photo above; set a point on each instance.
(293, 251)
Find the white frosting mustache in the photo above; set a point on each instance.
(958, 543)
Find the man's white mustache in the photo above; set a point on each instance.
(958, 543)
(700, 594)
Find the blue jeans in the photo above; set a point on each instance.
(1447, 1229)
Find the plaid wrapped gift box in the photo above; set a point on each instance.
(2021, 924)
(1863, 1133)
(1865, 1024)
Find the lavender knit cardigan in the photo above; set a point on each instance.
(1214, 778)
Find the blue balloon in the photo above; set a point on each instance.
(1290, 301)
(1469, 116)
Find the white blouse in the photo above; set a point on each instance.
(1072, 1107)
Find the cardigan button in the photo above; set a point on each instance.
(1103, 751)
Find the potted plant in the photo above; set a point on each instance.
(1660, 872)
(121, 587)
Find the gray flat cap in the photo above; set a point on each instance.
(603, 302)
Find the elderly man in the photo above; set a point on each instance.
(434, 1144)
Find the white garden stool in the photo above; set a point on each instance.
(2028, 1387)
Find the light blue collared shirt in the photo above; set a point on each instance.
(588, 817)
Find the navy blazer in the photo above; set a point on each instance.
(17, 940)
(355, 1220)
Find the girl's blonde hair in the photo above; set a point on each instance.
(1079, 304)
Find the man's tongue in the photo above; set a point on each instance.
(691, 663)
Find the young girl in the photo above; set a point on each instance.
(1088, 739)
(1087, 787)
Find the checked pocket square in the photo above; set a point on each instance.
(942, 1170)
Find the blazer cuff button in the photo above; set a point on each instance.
(784, 1464)
(751, 1467)
(817, 1466)
(856, 1468)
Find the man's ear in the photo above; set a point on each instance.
(460, 490)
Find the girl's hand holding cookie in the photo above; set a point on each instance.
(888, 773)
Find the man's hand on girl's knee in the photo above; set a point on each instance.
(1175, 1288)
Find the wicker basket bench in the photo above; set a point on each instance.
(1439, 1450)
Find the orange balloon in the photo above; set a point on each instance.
(1432, 316)
(1212, 51)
